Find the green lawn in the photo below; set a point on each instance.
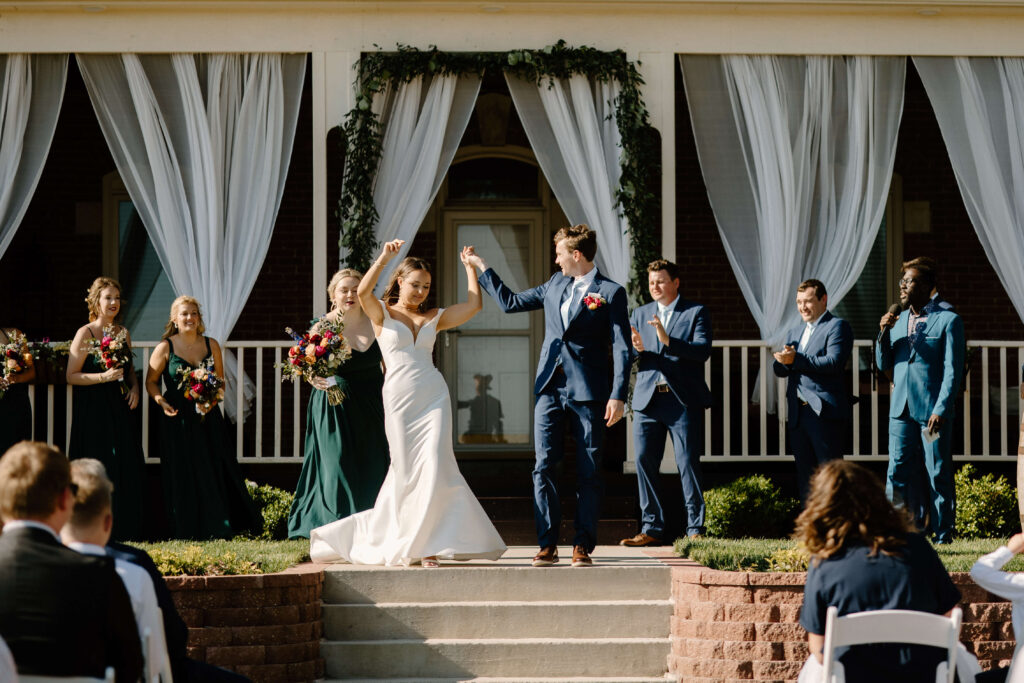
(771, 554)
(237, 556)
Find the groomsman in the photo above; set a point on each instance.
(817, 400)
(672, 340)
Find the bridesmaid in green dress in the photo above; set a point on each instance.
(102, 423)
(346, 451)
(15, 411)
(204, 491)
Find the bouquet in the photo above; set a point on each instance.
(318, 354)
(202, 385)
(15, 359)
(112, 350)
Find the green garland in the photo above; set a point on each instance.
(640, 158)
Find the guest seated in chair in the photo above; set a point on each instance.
(987, 573)
(61, 613)
(866, 556)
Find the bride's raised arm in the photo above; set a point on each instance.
(371, 306)
(457, 314)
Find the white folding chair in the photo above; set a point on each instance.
(893, 626)
(108, 678)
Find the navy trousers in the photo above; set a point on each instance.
(665, 415)
(814, 440)
(553, 411)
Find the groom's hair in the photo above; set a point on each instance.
(579, 238)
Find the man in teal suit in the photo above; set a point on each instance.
(924, 349)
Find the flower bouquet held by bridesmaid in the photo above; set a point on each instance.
(345, 449)
(425, 509)
(16, 372)
(203, 487)
(103, 424)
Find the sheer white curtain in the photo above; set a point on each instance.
(203, 144)
(573, 130)
(797, 156)
(30, 99)
(423, 123)
(979, 103)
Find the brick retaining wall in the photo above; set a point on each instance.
(738, 626)
(267, 627)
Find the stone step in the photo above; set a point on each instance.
(521, 657)
(597, 619)
(517, 679)
(524, 531)
(345, 584)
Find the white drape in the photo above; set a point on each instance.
(979, 103)
(573, 130)
(30, 99)
(423, 124)
(203, 144)
(797, 156)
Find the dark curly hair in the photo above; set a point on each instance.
(846, 507)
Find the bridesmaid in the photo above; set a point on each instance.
(15, 411)
(203, 487)
(102, 424)
(346, 450)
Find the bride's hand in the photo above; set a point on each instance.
(471, 258)
(389, 251)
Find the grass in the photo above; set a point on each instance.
(776, 554)
(216, 558)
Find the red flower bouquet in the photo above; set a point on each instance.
(16, 359)
(202, 386)
(318, 353)
(112, 350)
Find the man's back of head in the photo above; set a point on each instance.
(34, 480)
(91, 517)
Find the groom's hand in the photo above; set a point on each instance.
(474, 259)
(613, 411)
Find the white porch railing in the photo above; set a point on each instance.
(737, 429)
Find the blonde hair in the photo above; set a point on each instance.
(172, 327)
(336, 280)
(92, 297)
(408, 265)
(95, 492)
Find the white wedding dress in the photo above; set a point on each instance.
(424, 507)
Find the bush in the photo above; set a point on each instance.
(193, 561)
(986, 507)
(274, 504)
(750, 507)
(222, 557)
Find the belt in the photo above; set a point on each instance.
(661, 388)
(803, 402)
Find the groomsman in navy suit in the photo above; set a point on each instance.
(924, 349)
(584, 320)
(817, 400)
(672, 339)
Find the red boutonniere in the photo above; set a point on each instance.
(594, 301)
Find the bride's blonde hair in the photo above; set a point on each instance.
(172, 327)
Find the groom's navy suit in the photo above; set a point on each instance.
(572, 385)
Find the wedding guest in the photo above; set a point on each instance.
(866, 556)
(987, 573)
(346, 449)
(61, 613)
(102, 423)
(15, 410)
(88, 531)
(203, 487)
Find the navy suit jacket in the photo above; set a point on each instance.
(583, 345)
(681, 361)
(819, 370)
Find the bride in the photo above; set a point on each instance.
(425, 510)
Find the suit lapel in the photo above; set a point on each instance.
(575, 313)
(556, 295)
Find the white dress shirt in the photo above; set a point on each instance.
(147, 612)
(665, 316)
(805, 338)
(987, 573)
(577, 290)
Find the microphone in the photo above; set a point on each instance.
(895, 309)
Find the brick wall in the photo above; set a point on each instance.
(731, 626)
(267, 627)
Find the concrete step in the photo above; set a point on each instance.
(524, 531)
(597, 619)
(521, 657)
(503, 679)
(606, 580)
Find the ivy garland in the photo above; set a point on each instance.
(640, 150)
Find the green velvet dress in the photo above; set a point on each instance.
(102, 427)
(345, 451)
(204, 491)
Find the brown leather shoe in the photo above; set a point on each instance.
(546, 557)
(580, 557)
(639, 541)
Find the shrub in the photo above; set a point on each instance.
(986, 507)
(193, 561)
(274, 504)
(750, 507)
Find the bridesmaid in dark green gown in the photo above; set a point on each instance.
(103, 425)
(346, 450)
(204, 491)
(15, 411)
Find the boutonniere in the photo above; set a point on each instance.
(594, 301)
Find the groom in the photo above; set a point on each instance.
(584, 317)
